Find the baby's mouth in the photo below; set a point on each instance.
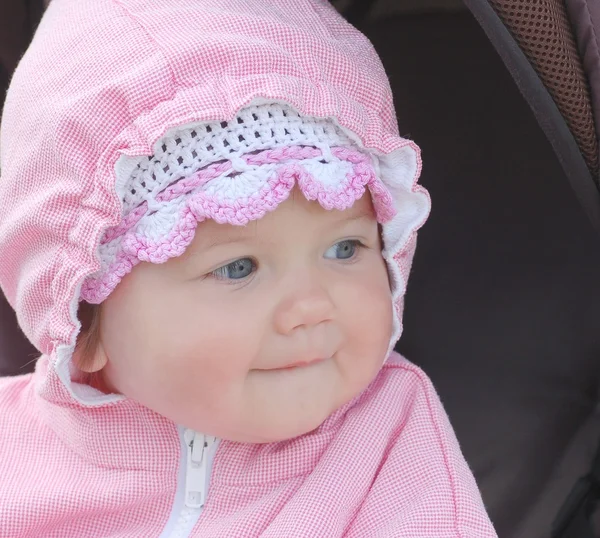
(295, 365)
(301, 364)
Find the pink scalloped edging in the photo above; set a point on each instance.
(271, 156)
(200, 206)
(240, 212)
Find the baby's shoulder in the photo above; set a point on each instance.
(401, 379)
(397, 366)
(13, 388)
(16, 402)
(401, 393)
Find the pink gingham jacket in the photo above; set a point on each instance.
(106, 78)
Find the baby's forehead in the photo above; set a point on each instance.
(294, 215)
(313, 210)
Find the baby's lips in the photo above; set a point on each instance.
(295, 364)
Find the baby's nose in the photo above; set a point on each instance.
(303, 308)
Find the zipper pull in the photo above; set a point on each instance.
(197, 467)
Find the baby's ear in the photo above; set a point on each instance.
(89, 355)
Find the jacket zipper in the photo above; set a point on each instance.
(199, 454)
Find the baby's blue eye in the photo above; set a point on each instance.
(344, 250)
(236, 270)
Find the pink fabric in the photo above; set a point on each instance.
(105, 78)
(113, 471)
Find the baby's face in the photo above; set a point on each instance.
(256, 333)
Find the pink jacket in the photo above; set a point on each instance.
(107, 78)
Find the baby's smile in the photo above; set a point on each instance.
(294, 365)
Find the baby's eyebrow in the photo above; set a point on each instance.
(227, 240)
(364, 214)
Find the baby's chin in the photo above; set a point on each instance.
(282, 428)
(270, 407)
(256, 429)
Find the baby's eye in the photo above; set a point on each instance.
(344, 250)
(236, 270)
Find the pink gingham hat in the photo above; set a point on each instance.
(70, 228)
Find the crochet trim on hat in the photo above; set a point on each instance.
(232, 172)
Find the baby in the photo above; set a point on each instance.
(208, 220)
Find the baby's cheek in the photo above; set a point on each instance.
(196, 385)
(214, 362)
(372, 301)
(371, 324)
